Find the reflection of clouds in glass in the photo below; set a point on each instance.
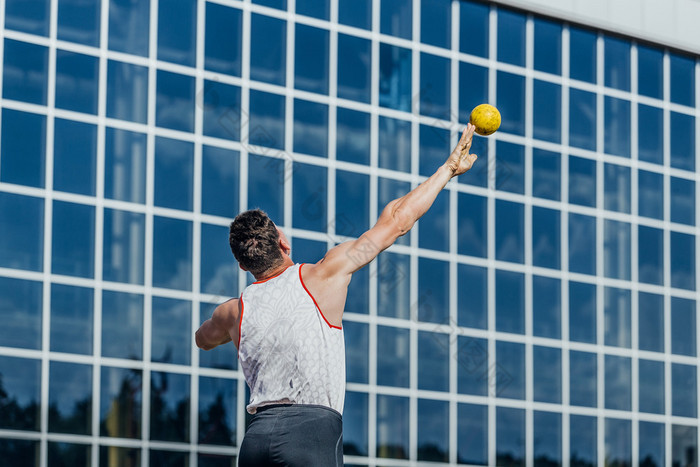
(129, 26)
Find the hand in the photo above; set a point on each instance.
(460, 160)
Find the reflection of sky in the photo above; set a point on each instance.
(433, 419)
(355, 420)
(618, 376)
(510, 432)
(172, 388)
(69, 383)
(547, 438)
(21, 379)
(618, 441)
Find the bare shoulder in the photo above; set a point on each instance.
(227, 314)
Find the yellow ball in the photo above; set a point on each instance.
(486, 118)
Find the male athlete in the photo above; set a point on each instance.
(288, 326)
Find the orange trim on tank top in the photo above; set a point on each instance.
(312, 298)
(240, 321)
(272, 277)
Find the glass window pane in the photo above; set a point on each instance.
(546, 230)
(617, 127)
(473, 374)
(618, 384)
(21, 383)
(217, 411)
(353, 136)
(546, 174)
(682, 201)
(359, 290)
(311, 59)
(472, 301)
(279, 4)
(170, 458)
(122, 325)
(435, 18)
(651, 255)
(617, 63)
(395, 75)
(472, 433)
(682, 141)
(392, 356)
(171, 322)
(125, 165)
(510, 370)
(224, 356)
(123, 456)
(71, 319)
(546, 374)
(684, 445)
(74, 164)
(28, 16)
(617, 249)
(684, 401)
(268, 49)
(683, 341)
(356, 13)
(510, 436)
(617, 187)
(219, 271)
(583, 371)
(582, 181)
(650, 194)
(650, 73)
(220, 172)
(170, 414)
(547, 447)
(510, 302)
(547, 119)
(651, 322)
(316, 8)
(222, 39)
(651, 386)
(177, 31)
(682, 79)
(511, 37)
(618, 441)
(354, 68)
(129, 26)
(472, 87)
(582, 119)
(547, 46)
(433, 228)
(357, 351)
(582, 312)
(70, 398)
(395, 18)
(434, 148)
(172, 253)
(76, 82)
(23, 145)
(394, 144)
(266, 125)
(25, 72)
(433, 361)
(310, 128)
(174, 167)
(73, 239)
(352, 208)
(355, 424)
(546, 306)
(175, 101)
(509, 231)
(221, 110)
(510, 100)
(475, 39)
(582, 45)
(21, 232)
(651, 134)
(510, 159)
(266, 185)
(435, 84)
(433, 430)
(62, 453)
(471, 225)
(433, 290)
(583, 440)
(20, 313)
(120, 404)
(682, 260)
(392, 427)
(617, 317)
(393, 285)
(127, 88)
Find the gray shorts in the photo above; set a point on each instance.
(293, 435)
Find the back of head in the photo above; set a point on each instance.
(254, 241)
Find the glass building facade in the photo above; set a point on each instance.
(543, 312)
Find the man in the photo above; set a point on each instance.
(288, 326)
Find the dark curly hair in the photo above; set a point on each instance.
(254, 241)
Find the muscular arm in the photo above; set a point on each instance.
(221, 328)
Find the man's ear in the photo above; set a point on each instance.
(285, 246)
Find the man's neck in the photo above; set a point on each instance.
(275, 271)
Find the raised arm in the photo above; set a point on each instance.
(221, 328)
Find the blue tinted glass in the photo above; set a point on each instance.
(472, 367)
(682, 141)
(682, 260)
(309, 197)
(582, 312)
(30, 16)
(434, 148)
(617, 188)
(125, 165)
(395, 144)
(435, 85)
(23, 145)
(546, 374)
(433, 430)
(394, 76)
(618, 389)
(352, 136)
(511, 37)
(311, 64)
(475, 39)
(223, 356)
(546, 174)
(510, 159)
(510, 302)
(21, 231)
(651, 443)
(582, 119)
(582, 181)
(682, 80)
(683, 321)
(21, 379)
(471, 225)
(170, 392)
(582, 244)
(392, 426)
(158, 457)
(651, 386)
(547, 449)
(650, 194)
(221, 110)
(268, 47)
(547, 46)
(395, 18)
(357, 13)
(617, 127)
(266, 185)
(74, 164)
(618, 317)
(392, 356)
(510, 244)
(433, 361)
(617, 63)
(510, 371)
(651, 71)
(310, 128)
(317, 8)
(472, 433)
(279, 4)
(174, 166)
(127, 86)
(583, 368)
(546, 307)
(393, 285)
(351, 203)
(684, 442)
(71, 319)
(122, 325)
(651, 255)
(510, 436)
(684, 401)
(217, 411)
(617, 249)
(618, 441)
(355, 424)
(219, 271)
(510, 96)
(177, 31)
(120, 396)
(651, 134)
(170, 340)
(76, 82)
(129, 26)
(20, 311)
(682, 201)
(359, 290)
(389, 190)
(354, 68)
(70, 398)
(222, 39)
(435, 22)
(433, 290)
(583, 440)
(73, 239)
(357, 351)
(473, 88)
(651, 322)
(266, 125)
(175, 101)
(79, 21)
(172, 253)
(546, 123)
(546, 231)
(433, 230)
(582, 46)
(77, 453)
(220, 172)
(472, 300)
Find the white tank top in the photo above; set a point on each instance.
(289, 352)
